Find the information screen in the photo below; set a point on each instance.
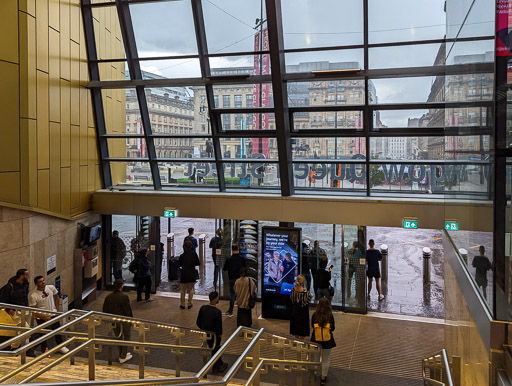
(281, 250)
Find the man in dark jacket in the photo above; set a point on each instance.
(143, 275)
(233, 265)
(322, 281)
(215, 246)
(191, 238)
(210, 319)
(118, 303)
(16, 290)
(117, 255)
(187, 263)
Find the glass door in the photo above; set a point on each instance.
(353, 268)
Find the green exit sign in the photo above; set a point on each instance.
(451, 225)
(410, 224)
(170, 213)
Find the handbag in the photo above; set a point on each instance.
(252, 296)
(331, 290)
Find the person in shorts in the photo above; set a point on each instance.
(482, 265)
(373, 256)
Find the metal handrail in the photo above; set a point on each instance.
(439, 364)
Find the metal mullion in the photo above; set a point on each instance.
(125, 22)
(436, 105)
(238, 110)
(428, 41)
(122, 136)
(427, 162)
(107, 60)
(202, 47)
(247, 133)
(170, 57)
(187, 160)
(408, 132)
(128, 159)
(313, 133)
(333, 108)
(249, 161)
(326, 48)
(243, 53)
(99, 112)
(327, 161)
(280, 90)
(178, 136)
(367, 115)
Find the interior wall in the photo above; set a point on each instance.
(29, 239)
(48, 149)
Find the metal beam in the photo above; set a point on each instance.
(99, 112)
(125, 21)
(280, 90)
(202, 46)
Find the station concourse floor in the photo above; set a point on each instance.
(372, 349)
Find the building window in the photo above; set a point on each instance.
(226, 101)
(203, 99)
(248, 123)
(238, 121)
(238, 101)
(216, 100)
(249, 100)
(226, 122)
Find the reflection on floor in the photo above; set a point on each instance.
(373, 349)
(407, 294)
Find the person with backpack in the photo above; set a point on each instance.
(233, 266)
(189, 275)
(192, 239)
(323, 326)
(142, 268)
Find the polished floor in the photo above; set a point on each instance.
(373, 349)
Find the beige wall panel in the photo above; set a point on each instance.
(75, 86)
(98, 180)
(83, 125)
(43, 189)
(84, 69)
(43, 138)
(65, 191)
(28, 81)
(54, 14)
(54, 75)
(28, 6)
(65, 44)
(42, 34)
(75, 20)
(9, 31)
(92, 148)
(91, 178)
(19, 255)
(108, 17)
(90, 112)
(65, 126)
(75, 166)
(55, 189)
(28, 162)
(9, 111)
(10, 187)
(84, 195)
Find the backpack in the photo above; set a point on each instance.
(322, 334)
(134, 265)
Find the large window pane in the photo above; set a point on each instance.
(328, 148)
(171, 110)
(164, 28)
(249, 148)
(174, 68)
(326, 93)
(131, 174)
(406, 90)
(334, 177)
(251, 176)
(470, 52)
(418, 55)
(324, 60)
(408, 118)
(317, 24)
(253, 95)
(230, 24)
(190, 174)
(245, 121)
(328, 120)
(405, 20)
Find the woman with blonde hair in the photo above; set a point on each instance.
(299, 316)
(322, 322)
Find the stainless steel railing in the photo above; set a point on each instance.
(250, 358)
(439, 371)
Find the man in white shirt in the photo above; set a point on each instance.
(46, 297)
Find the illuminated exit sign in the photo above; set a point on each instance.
(170, 213)
(410, 224)
(451, 225)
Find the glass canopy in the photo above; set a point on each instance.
(357, 97)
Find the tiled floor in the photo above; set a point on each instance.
(371, 349)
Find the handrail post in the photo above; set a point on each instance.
(256, 353)
(299, 358)
(141, 328)
(282, 377)
(72, 345)
(178, 356)
(91, 334)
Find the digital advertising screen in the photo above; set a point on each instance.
(281, 251)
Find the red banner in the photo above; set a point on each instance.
(503, 24)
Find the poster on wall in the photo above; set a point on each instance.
(51, 264)
(280, 263)
(503, 25)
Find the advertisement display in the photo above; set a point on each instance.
(281, 251)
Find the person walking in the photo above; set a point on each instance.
(118, 303)
(299, 315)
(244, 288)
(117, 254)
(233, 266)
(354, 255)
(143, 275)
(317, 254)
(306, 264)
(373, 256)
(191, 238)
(209, 319)
(322, 281)
(188, 262)
(46, 297)
(482, 265)
(323, 326)
(216, 247)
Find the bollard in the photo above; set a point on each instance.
(170, 246)
(202, 251)
(384, 268)
(427, 253)
(464, 254)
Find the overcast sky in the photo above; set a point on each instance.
(168, 29)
